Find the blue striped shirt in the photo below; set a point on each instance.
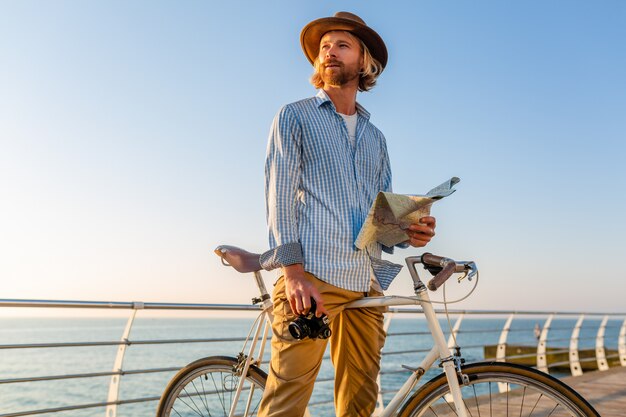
(319, 189)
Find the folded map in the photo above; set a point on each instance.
(391, 214)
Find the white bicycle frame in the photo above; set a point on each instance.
(439, 351)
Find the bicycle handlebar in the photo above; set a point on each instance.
(244, 261)
(443, 275)
(448, 267)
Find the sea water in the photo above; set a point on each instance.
(50, 361)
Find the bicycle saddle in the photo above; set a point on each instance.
(242, 260)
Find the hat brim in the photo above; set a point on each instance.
(312, 34)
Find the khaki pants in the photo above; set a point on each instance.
(355, 349)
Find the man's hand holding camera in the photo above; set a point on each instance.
(299, 291)
(310, 326)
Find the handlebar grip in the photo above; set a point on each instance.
(439, 279)
(439, 261)
(434, 260)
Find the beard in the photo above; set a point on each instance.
(340, 75)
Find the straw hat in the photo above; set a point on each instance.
(313, 32)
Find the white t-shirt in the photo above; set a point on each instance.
(351, 125)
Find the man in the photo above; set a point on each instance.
(325, 165)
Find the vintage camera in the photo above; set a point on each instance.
(310, 326)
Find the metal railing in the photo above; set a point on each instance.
(524, 343)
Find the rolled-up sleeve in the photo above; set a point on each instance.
(282, 181)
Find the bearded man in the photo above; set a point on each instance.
(326, 162)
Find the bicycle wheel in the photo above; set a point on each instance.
(207, 387)
(526, 392)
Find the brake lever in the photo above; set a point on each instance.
(469, 272)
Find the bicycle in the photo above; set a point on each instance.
(214, 386)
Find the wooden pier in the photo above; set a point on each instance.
(605, 390)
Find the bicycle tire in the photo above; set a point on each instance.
(206, 388)
(528, 393)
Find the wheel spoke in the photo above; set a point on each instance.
(451, 407)
(195, 410)
(433, 411)
(535, 406)
(508, 389)
(467, 408)
(199, 395)
(490, 402)
(476, 399)
(555, 407)
(217, 389)
(230, 395)
(204, 398)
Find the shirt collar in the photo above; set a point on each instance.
(322, 98)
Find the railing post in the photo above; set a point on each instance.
(622, 344)
(114, 385)
(574, 358)
(455, 331)
(542, 356)
(603, 364)
(501, 350)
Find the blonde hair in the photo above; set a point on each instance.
(368, 75)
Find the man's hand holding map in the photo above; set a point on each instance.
(391, 214)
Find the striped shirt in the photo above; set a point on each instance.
(319, 190)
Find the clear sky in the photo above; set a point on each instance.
(133, 136)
